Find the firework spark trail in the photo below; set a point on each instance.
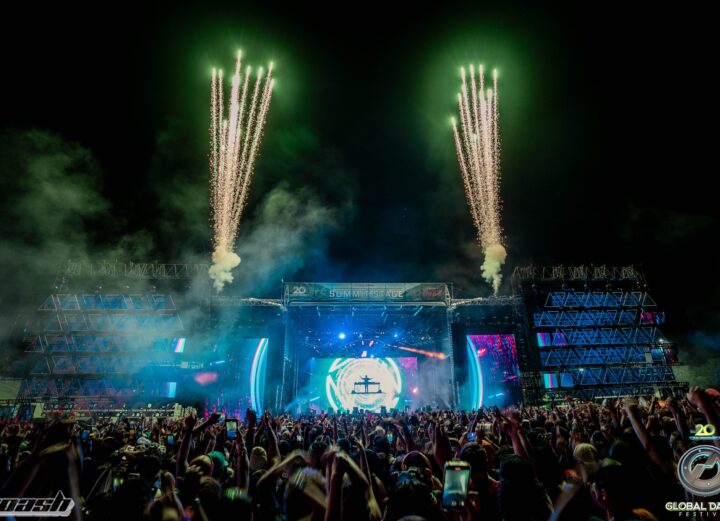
(234, 146)
(477, 144)
(257, 138)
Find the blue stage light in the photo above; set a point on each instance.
(341, 336)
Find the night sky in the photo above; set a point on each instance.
(605, 122)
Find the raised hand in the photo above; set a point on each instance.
(238, 446)
(167, 484)
(340, 464)
(296, 458)
(630, 404)
(251, 418)
(696, 396)
(266, 419)
(190, 421)
(512, 425)
(652, 422)
(357, 441)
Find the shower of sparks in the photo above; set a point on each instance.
(234, 144)
(477, 145)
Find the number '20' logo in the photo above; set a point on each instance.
(705, 430)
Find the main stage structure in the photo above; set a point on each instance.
(114, 332)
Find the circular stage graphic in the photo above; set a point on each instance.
(365, 383)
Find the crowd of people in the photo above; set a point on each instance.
(570, 461)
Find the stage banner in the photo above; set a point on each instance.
(365, 292)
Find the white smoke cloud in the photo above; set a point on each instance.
(495, 256)
(220, 271)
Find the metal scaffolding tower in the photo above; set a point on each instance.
(92, 345)
(595, 332)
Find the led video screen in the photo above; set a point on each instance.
(233, 373)
(365, 383)
(493, 370)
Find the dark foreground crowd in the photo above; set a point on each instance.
(572, 462)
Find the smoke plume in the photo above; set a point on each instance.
(220, 271)
(495, 256)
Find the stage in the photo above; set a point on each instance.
(343, 346)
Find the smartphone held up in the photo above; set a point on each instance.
(456, 483)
